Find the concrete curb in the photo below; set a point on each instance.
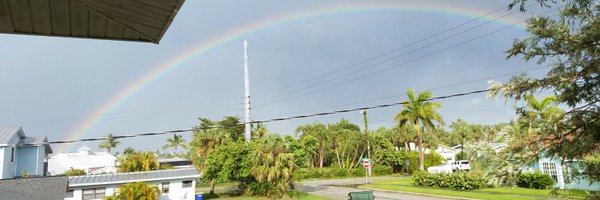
(413, 193)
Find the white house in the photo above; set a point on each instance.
(175, 184)
(91, 162)
(20, 155)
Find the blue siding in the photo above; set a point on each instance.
(29, 161)
(8, 167)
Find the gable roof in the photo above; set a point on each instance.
(7, 133)
(50, 188)
(36, 141)
(130, 177)
(129, 20)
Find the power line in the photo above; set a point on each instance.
(265, 121)
(429, 89)
(398, 65)
(386, 53)
(394, 57)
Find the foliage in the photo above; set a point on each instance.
(110, 143)
(535, 180)
(175, 142)
(456, 181)
(138, 161)
(228, 163)
(272, 168)
(129, 150)
(334, 172)
(75, 172)
(421, 114)
(568, 43)
(431, 159)
(24, 173)
(591, 167)
(136, 191)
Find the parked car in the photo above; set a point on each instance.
(443, 168)
(460, 165)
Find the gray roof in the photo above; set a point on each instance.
(50, 188)
(139, 20)
(130, 177)
(36, 141)
(9, 132)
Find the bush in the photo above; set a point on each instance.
(75, 172)
(327, 172)
(431, 159)
(456, 181)
(535, 180)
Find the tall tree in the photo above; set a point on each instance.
(174, 142)
(273, 166)
(420, 113)
(259, 131)
(109, 143)
(319, 131)
(568, 43)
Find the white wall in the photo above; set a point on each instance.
(176, 192)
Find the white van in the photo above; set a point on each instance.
(460, 165)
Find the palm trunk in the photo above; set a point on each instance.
(212, 186)
(406, 146)
(420, 146)
(337, 154)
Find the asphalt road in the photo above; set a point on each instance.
(339, 188)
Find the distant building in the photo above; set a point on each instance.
(174, 184)
(90, 162)
(20, 155)
(560, 170)
(175, 162)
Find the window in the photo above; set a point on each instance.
(550, 169)
(165, 187)
(12, 154)
(94, 193)
(187, 184)
(566, 167)
(69, 193)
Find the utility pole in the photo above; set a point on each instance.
(246, 94)
(364, 112)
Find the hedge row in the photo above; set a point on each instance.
(456, 181)
(330, 172)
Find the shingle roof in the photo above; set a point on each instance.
(118, 178)
(9, 132)
(50, 188)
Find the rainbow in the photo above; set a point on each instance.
(240, 32)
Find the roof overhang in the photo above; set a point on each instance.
(125, 20)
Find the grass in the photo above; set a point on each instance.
(405, 185)
(302, 196)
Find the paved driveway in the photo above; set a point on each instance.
(339, 188)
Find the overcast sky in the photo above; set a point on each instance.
(53, 86)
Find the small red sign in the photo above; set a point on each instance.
(366, 164)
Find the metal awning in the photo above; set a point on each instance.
(127, 20)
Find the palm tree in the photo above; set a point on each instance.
(259, 131)
(139, 161)
(174, 142)
(136, 191)
(319, 131)
(110, 143)
(274, 166)
(129, 150)
(420, 113)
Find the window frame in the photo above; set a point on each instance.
(162, 187)
(550, 169)
(95, 193)
(12, 154)
(187, 184)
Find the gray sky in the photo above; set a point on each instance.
(53, 86)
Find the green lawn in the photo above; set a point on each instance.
(405, 185)
(303, 196)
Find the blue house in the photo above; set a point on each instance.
(20, 155)
(561, 172)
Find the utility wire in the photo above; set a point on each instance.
(384, 54)
(265, 121)
(397, 65)
(391, 58)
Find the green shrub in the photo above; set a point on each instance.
(329, 172)
(456, 181)
(431, 159)
(535, 180)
